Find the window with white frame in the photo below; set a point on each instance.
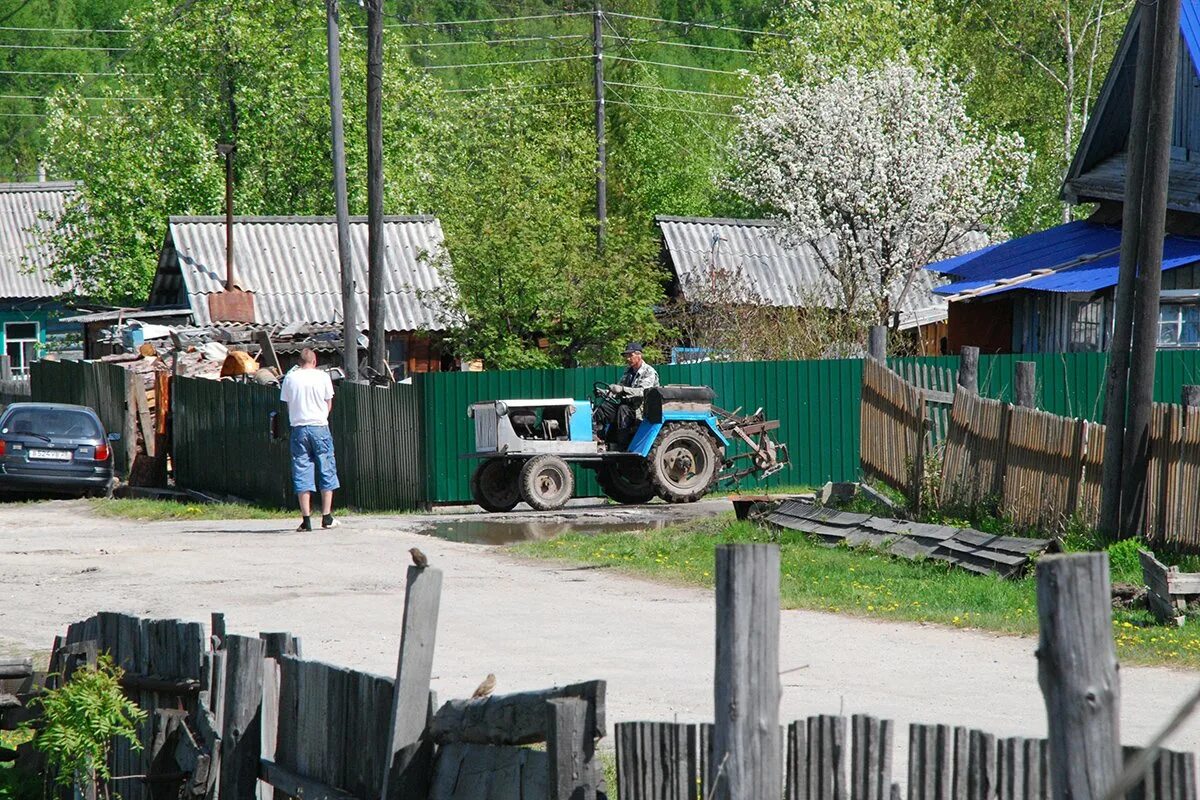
(21, 341)
(1179, 324)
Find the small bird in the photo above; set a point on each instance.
(485, 688)
(419, 559)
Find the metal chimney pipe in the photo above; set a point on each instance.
(227, 150)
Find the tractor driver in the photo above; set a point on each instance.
(638, 377)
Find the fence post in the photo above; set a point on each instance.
(405, 775)
(570, 743)
(968, 369)
(5, 367)
(1024, 383)
(1190, 396)
(747, 759)
(241, 723)
(129, 426)
(877, 342)
(1077, 671)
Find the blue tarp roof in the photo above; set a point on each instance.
(1080, 253)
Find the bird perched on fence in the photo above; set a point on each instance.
(419, 559)
(486, 687)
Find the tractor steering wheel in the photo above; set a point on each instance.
(603, 394)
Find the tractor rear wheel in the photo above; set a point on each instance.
(494, 485)
(684, 463)
(626, 480)
(546, 482)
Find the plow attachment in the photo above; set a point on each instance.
(763, 457)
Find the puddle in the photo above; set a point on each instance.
(509, 531)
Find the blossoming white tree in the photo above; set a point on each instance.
(882, 171)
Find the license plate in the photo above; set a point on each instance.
(50, 455)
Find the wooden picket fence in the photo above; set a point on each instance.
(674, 761)
(893, 430)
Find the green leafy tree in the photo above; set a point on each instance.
(80, 721)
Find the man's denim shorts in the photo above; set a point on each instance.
(312, 446)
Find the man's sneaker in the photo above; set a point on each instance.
(305, 525)
(328, 521)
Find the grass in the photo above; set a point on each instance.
(155, 510)
(866, 583)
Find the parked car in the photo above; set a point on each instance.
(54, 447)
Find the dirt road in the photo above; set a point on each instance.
(532, 623)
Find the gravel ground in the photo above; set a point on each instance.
(533, 623)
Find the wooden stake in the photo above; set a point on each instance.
(968, 369)
(747, 756)
(1025, 383)
(1077, 671)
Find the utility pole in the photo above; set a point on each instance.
(601, 153)
(377, 355)
(1159, 118)
(1131, 368)
(1117, 379)
(349, 313)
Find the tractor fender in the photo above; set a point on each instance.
(647, 432)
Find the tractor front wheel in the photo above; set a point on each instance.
(684, 463)
(494, 485)
(546, 482)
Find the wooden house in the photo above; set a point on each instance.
(1052, 291)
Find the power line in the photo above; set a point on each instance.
(676, 91)
(58, 47)
(73, 74)
(506, 63)
(675, 66)
(51, 97)
(514, 40)
(67, 30)
(671, 108)
(679, 44)
(697, 25)
(516, 88)
(410, 24)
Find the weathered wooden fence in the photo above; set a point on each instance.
(104, 388)
(224, 442)
(1031, 461)
(893, 430)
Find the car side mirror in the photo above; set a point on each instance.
(114, 437)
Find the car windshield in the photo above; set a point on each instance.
(51, 422)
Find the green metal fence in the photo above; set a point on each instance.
(221, 438)
(402, 447)
(101, 387)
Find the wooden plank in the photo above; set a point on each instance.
(746, 744)
(16, 668)
(1077, 670)
(870, 758)
(241, 723)
(796, 762)
(510, 719)
(981, 766)
(410, 699)
(570, 748)
(145, 420)
(484, 772)
(293, 784)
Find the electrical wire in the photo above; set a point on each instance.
(50, 97)
(697, 24)
(514, 40)
(671, 108)
(506, 63)
(674, 91)
(438, 23)
(679, 44)
(675, 66)
(516, 88)
(73, 74)
(66, 30)
(4, 46)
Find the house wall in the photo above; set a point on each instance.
(51, 335)
(986, 324)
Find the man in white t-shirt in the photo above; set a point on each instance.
(308, 393)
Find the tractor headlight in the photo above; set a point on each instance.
(501, 408)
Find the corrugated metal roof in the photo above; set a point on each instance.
(291, 266)
(1189, 26)
(22, 207)
(781, 275)
(1081, 255)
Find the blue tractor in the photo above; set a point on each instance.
(682, 447)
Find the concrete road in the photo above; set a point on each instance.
(534, 624)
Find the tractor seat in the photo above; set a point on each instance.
(676, 398)
(524, 420)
